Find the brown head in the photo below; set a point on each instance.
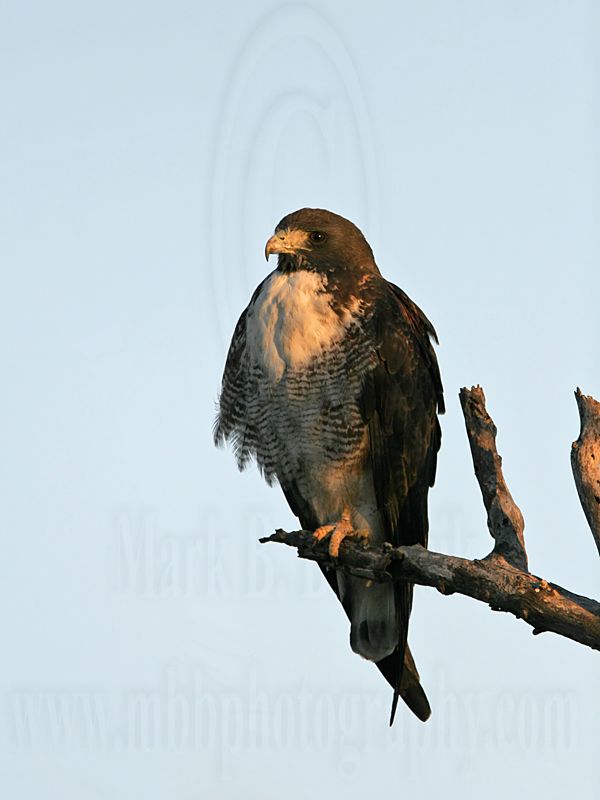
(318, 240)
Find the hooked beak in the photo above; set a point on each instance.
(286, 242)
(272, 246)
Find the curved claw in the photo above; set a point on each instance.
(338, 532)
(323, 532)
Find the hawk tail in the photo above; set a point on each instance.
(406, 684)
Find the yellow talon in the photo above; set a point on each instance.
(323, 531)
(339, 531)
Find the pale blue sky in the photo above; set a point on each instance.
(151, 648)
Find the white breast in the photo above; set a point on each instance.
(291, 322)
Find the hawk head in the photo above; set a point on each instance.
(318, 240)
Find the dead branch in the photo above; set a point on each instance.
(505, 521)
(545, 606)
(502, 578)
(585, 461)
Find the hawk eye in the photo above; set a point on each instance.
(317, 237)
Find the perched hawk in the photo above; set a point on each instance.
(332, 386)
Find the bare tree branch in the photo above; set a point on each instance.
(501, 579)
(545, 606)
(505, 521)
(585, 461)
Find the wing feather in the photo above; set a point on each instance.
(401, 398)
(237, 390)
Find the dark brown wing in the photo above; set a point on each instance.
(401, 398)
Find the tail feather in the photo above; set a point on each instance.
(371, 608)
(416, 699)
(409, 688)
(403, 676)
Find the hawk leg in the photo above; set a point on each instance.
(338, 532)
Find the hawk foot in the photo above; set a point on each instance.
(338, 532)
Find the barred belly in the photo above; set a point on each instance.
(300, 417)
(321, 447)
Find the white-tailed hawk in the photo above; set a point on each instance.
(332, 386)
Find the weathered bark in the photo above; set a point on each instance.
(501, 579)
(545, 606)
(585, 461)
(505, 521)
